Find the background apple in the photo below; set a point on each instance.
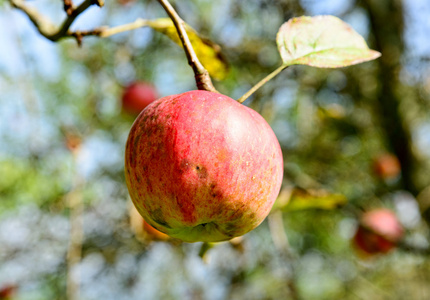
(8, 291)
(202, 167)
(379, 231)
(137, 96)
(387, 166)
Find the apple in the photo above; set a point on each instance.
(8, 291)
(137, 96)
(387, 166)
(379, 231)
(126, 2)
(73, 142)
(200, 166)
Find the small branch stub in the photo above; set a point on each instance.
(68, 7)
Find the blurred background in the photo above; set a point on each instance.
(67, 230)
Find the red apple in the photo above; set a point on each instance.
(73, 142)
(126, 2)
(387, 166)
(8, 291)
(137, 96)
(379, 231)
(200, 166)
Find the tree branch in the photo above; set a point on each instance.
(106, 32)
(203, 80)
(54, 33)
(46, 27)
(43, 25)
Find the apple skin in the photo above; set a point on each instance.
(137, 96)
(200, 166)
(379, 231)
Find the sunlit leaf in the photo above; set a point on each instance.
(208, 52)
(299, 199)
(322, 41)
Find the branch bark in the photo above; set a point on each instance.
(203, 80)
(47, 28)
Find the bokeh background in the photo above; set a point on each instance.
(65, 229)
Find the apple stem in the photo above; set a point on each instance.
(261, 83)
(205, 247)
(203, 80)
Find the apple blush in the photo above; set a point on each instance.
(200, 166)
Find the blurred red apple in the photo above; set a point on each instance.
(73, 142)
(8, 291)
(137, 96)
(126, 2)
(387, 166)
(200, 166)
(379, 231)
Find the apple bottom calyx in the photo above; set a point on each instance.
(209, 231)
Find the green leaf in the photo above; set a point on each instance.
(208, 52)
(323, 42)
(294, 199)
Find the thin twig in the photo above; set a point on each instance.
(64, 29)
(201, 75)
(106, 32)
(53, 33)
(261, 83)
